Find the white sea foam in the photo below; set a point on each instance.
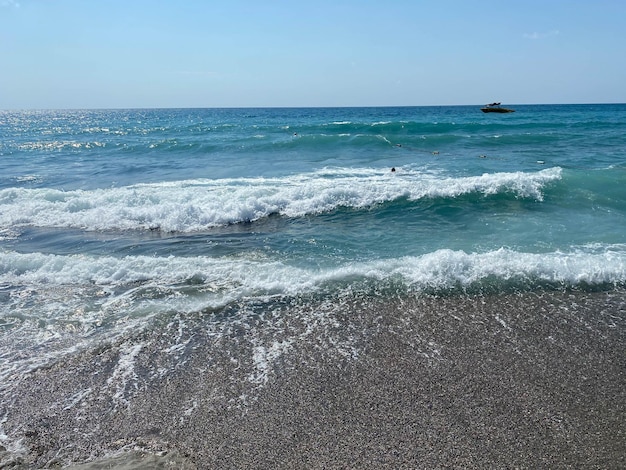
(263, 359)
(193, 205)
(262, 276)
(124, 374)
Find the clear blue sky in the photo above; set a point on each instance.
(234, 53)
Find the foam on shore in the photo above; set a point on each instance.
(510, 380)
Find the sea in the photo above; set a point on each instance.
(142, 235)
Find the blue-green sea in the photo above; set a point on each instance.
(114, 223)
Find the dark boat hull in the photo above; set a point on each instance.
(497, 110)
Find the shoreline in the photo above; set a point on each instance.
(503, 381)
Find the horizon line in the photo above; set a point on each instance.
(296, 107)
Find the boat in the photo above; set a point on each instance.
(496, 108)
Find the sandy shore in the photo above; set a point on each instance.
(507, 381)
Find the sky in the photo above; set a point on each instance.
(68, 54)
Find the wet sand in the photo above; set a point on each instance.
(503, 381)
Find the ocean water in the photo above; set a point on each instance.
(115, 224)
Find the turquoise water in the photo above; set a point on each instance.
(312, 188)
(287, 200)
(111, 220)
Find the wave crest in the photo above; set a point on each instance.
(441, 269)
(195, 205)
